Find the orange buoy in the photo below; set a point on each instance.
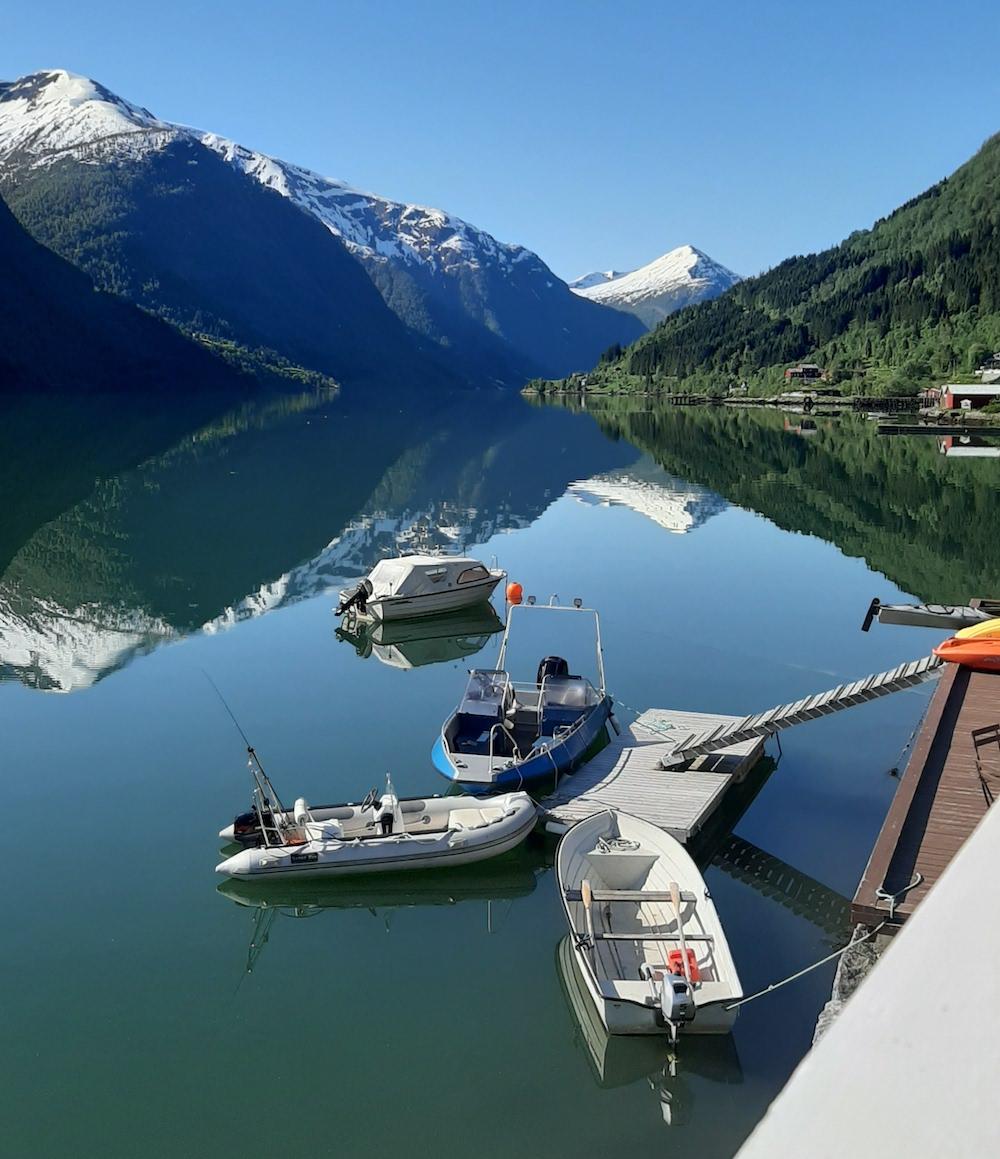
(515, 593)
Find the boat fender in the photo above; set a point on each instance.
(301, 811)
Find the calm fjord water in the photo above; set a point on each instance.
(727, 557)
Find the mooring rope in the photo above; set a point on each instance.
(882, 894)
(815, 966)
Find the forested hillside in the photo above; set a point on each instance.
(914, 299)
(58, 333)
(185, 237)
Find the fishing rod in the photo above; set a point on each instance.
(268, 787)
(225, 705)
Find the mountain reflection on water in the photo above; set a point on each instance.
(927, 520)
(232, 513)
(268, 505)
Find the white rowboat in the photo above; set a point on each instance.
(646, 935)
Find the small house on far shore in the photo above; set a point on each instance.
(961, 396)
(805, 372)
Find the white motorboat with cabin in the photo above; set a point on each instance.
(420, 585)
(646, 935)
(382, 833)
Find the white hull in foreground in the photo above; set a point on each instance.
(622, 880)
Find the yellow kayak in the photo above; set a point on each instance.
(987, 628)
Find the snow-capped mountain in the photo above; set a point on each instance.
(598, 278)
(371, 226)
(487, 304)
(677, 279)
(49, 114)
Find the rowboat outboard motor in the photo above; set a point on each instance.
(676, 999)
(552, 666)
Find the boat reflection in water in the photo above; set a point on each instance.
(620, 1060)
(499, 879)
(432, 640)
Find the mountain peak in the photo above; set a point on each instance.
(678, 278)
(597, 278)
(46, 112)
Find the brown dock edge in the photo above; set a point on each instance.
(944, 793)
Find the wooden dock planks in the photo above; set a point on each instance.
(627, 775)
(943, 794)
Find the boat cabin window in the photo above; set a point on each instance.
(437, 574)
(471, 574)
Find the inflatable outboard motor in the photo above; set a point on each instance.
(246, 828)
(552, 666)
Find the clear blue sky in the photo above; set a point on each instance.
(597, 134)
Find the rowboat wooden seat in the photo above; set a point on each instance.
(633, 895)
(599, 937)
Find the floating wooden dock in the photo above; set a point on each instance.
(627, 774)
(944, 792)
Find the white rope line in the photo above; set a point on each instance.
(815, 966)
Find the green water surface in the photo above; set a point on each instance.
(150, 1010)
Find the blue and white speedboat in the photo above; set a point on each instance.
(506, 735)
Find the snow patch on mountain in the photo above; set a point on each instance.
(598, 278)
(371, 225)
(679, 278)
(51, 113)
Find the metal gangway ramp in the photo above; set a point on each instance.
(674, 768)
(772, 720)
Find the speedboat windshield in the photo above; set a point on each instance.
(484, 693)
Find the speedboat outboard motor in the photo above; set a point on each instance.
(552, 666)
